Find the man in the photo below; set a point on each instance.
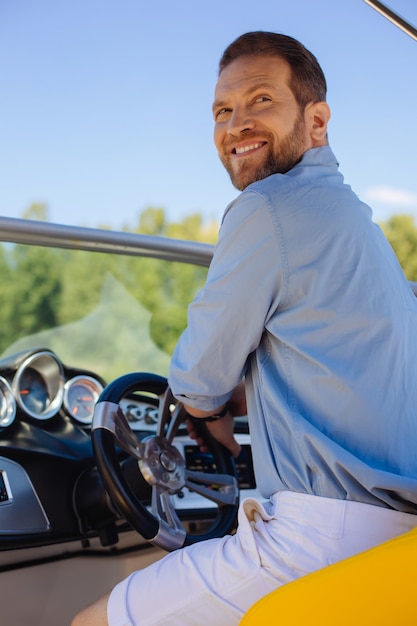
(306, 317)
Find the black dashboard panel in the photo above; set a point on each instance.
(50, 491)
(203, 462)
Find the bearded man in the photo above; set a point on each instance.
(307, 324)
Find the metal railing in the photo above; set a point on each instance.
(393, 17)
(51, 235)
(36, 233)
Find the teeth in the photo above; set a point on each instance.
(247, 148)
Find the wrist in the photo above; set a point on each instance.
(214, 417)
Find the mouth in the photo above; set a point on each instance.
(248, 148)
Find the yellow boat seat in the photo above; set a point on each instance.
(373, 588)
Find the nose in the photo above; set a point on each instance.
(239, 121)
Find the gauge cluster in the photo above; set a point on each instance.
(141, 412)
(36, 385)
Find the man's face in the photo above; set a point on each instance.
(259, 128)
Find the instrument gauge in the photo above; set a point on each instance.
(7, 403)
(80, 396)
(140, 413)
(39, 385)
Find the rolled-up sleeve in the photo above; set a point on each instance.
(227, 318)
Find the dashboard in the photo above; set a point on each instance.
(51, 494)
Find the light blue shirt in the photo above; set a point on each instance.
(305, 297)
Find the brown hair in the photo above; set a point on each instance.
(307, 82)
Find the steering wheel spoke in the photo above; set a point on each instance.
(219, 488)
(167, 400)
(110, 416)
(170, 525)
(172, 415)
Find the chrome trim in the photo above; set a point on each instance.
(32, 232)
(109, 416)
(7, 404)
(50, 369)
(226, 494)
(393, 17)
(23, 513)
(162, 464)
(90, 383)
(52, 235)
(7, 487)
(105, 416)
(171, 533)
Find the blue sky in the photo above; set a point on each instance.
(106, 104)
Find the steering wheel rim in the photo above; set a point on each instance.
(161, 464)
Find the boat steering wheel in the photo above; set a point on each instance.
(161, 464)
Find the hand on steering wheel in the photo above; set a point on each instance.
(161, 464)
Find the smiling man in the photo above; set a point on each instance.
(306, 322)
(259, 127)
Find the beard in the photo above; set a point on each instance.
(279, 161)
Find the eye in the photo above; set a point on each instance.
(263, 99)
(221, 114)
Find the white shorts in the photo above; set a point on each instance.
(214, 582)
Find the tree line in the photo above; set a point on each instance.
(44, 288)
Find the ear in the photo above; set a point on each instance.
(316, 116)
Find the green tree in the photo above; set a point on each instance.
(152, 221)
(166, 288)
(31, 287)
(45, 287)
(401, 232)
(82, 278)
(36, 211)
(6, 283)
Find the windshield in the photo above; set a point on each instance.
(108, 313)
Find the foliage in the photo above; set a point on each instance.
(46, 288)
(401, 232)
(84, 303)
(31, 289)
